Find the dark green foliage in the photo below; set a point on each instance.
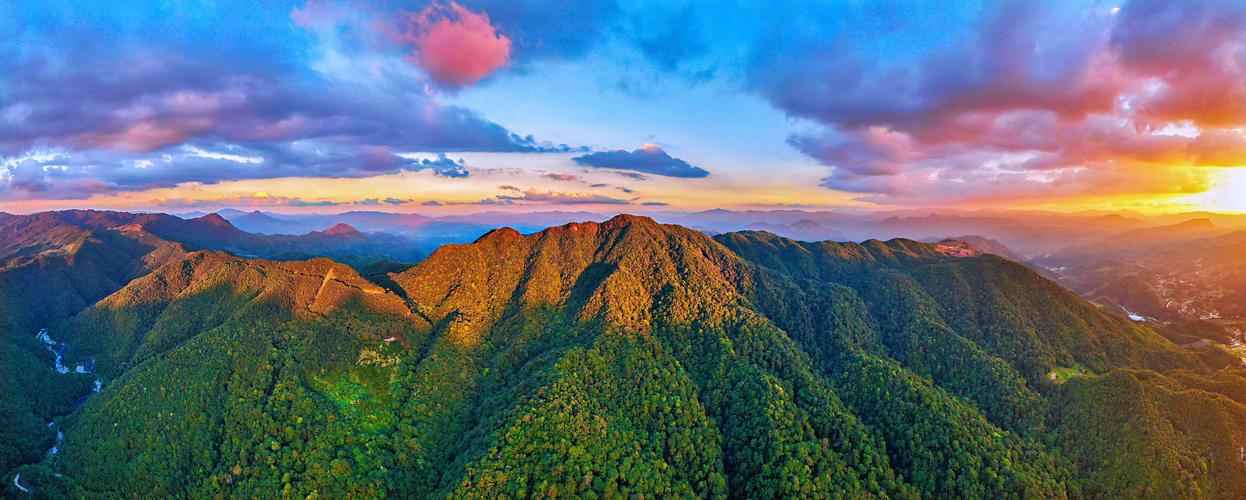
(1141, 434)
(634, 359)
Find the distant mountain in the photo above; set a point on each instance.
(1026, 233)
(1027, 236)
(230, 212)
(804, 230)
(424, 233)
(540, 219)
(342, 242)
(261, 223)
(342, 230)
(1233, 220)
(1191, 278)
(1139, 241)
(630, 357)
(1192, 270)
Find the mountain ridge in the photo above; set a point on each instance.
(744, 364)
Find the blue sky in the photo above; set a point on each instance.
(479, 104)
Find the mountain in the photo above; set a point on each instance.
(804, 229)
(517, 220)
(342, 230)
(342, 242)
(291, 224)
(985, 245)
(424, 233)
(1134, 242)
(1193, 270)
(206, 289)
(55, 264)
(1234, 220)
(634, 358)
(1027, 233)
(261, 223)
(1194, 280)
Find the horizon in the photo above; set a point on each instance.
(903, 212)
(623, 249)
(447, 107)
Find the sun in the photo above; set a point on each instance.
(1231, 193)
(1227, 194)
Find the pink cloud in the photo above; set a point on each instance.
(456, 46)
(561, 198)
(561, 177)
(145, 136)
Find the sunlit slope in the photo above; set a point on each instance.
(631, 357)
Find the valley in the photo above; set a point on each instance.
(743, 364)
(470, 249)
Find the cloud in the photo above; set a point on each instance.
(655, 203)
(562, 198)
(258, 200)
(648, 159)
(154, 104)
(68, 174)
(457, 47)
(444, 166)
(1035, 100)
(311, 91)
(1194, 56)
(902, 102)
(561, 177)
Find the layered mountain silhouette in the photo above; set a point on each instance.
(634, 358)
(1137, 242)
(1194, 270)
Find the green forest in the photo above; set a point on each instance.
(626, 358)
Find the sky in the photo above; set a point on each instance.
(445, 107)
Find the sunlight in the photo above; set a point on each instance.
(1228, 193)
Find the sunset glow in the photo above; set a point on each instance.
(468, 106)
(623, 249)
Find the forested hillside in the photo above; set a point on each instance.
(634, 358)
(55, 264)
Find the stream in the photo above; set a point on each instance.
(58, 350)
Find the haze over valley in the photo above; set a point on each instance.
(330, 249)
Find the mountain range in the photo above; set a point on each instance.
(1189, 271)
(624, 357)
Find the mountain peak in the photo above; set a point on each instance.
(1202, 222)
(623, 220)
(215, 219)
(342, 229)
